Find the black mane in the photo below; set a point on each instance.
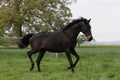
(75, 21)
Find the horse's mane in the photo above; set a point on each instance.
(75, 21)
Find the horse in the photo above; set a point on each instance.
(62, 40)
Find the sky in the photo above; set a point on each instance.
(105, 17)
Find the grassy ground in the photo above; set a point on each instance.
(96, 63)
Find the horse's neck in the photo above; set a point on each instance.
(72, 33)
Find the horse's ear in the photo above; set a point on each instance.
(89, 20)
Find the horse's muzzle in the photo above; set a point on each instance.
(89, 37)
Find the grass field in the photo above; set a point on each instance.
(96, 63)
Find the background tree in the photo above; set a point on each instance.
(18, 17)
(80, 39)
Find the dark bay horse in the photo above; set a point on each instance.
(63, 40)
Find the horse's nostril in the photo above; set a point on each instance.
(90, 38)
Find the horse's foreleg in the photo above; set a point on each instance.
(40, 56)
(69, 59)
(29, 53)
(73, 52)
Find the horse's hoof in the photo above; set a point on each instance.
(39, 71)
(31, 69)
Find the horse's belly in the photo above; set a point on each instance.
(55, 48)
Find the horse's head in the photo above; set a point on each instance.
(79, 25)
(86, 29)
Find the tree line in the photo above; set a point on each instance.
(18, 17)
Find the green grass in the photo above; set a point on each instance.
(96, 63)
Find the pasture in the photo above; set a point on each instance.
(96, 63)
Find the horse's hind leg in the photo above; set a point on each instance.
(40, 56)
(29, 53)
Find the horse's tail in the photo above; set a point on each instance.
(24, 42)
